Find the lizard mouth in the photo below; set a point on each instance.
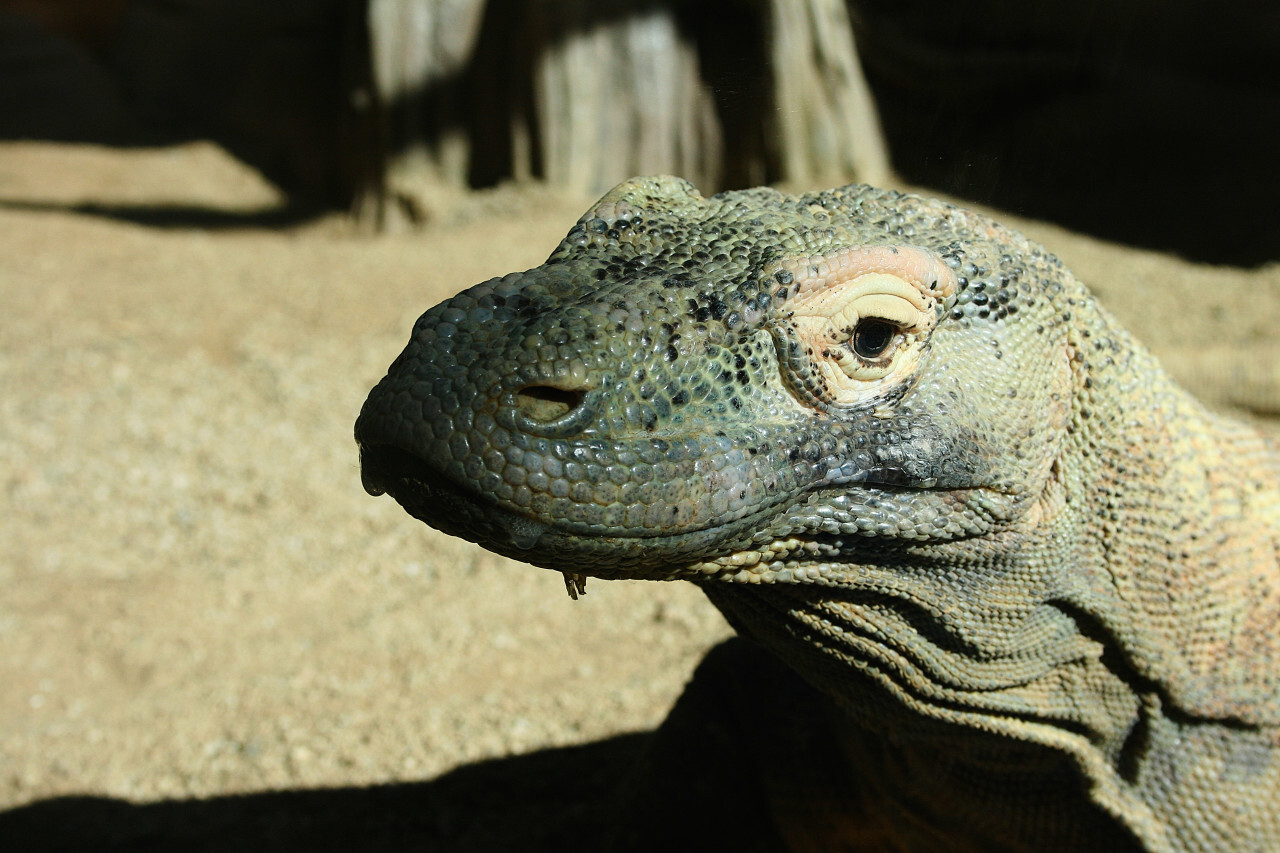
(422, 492)
(431, 496)
(705, 550)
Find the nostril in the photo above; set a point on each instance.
(543, 404)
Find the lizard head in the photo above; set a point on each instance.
(753, 387)
(841, 414)
(893, 441)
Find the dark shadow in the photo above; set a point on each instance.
(1142, 122)
(178, 216)
(268, 82)
(553, 800)
(733, 41)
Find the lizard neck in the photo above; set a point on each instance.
(1173, 517)
(937, 776)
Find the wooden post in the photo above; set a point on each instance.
(585, 93)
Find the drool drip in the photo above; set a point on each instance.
(575, 584)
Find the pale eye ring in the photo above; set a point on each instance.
(872, 337)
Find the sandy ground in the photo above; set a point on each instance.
(212, 638)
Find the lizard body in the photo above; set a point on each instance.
(902, 448)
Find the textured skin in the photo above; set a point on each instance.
(1038, 580)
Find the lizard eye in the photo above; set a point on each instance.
(872, 337)
(858, 321)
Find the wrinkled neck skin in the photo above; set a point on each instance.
(1080, 627)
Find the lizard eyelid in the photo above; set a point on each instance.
(857, 335)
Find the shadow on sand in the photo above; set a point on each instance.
(177, 216)
(556, 799)
(712, 777)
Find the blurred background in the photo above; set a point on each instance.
(1151, 122)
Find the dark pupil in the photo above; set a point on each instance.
(871, 337)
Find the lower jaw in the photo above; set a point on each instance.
(689, 555)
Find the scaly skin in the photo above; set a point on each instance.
(900, 446)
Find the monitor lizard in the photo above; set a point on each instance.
(902, 448)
